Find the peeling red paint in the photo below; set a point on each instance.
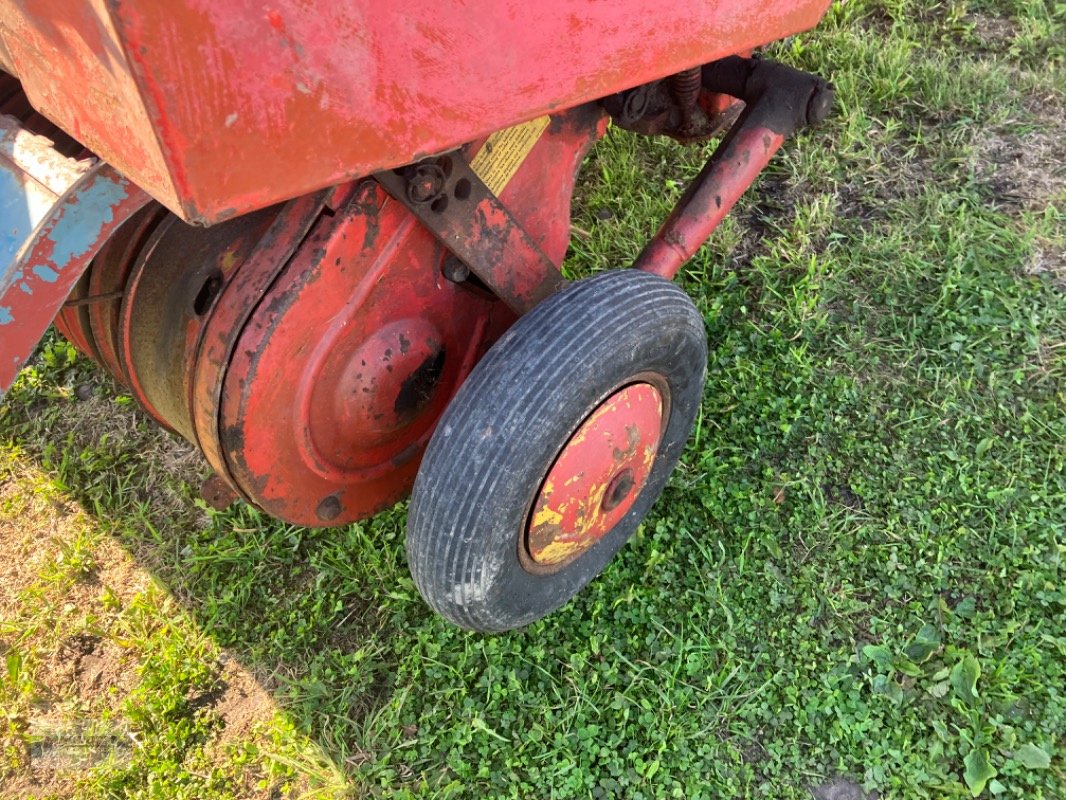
(212, 106)
(54, 258)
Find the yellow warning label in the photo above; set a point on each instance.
(501, 156)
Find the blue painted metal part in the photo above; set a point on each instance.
(16, 221)
(32, 177)
(38, 277)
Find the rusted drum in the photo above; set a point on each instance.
(73, 319)
(335, 385)
(170, 290)
(107, 278)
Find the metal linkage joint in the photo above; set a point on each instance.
(463, 214)
(778, 101)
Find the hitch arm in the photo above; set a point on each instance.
(778, 101)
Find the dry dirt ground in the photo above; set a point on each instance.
(86, 655)
(1027, 172)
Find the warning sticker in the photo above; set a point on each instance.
(501, 156)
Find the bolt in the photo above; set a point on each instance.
(329, 509)
(634, 105)
(425, 183)
(455, 270)
(217, 493)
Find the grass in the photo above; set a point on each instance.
(856, 573)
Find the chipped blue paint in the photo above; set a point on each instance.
(17, 220)
(77, 231)
(74, 231)
(55, 255)
(46, 274)
(18, 217)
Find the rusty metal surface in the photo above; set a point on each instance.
(326, 364)
(108, 276)
(778, 101)
(217, 493)
(169, 295)
(468, 219)
(73, 67)
(220, 108)
(75, 319)
(13, 102)
(337, 380)
(676, 107)
(452, 201)
(72, 321)
(235, 305)
(596, 477)
(36, 281)
(309, 349)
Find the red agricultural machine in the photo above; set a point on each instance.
(323, 242)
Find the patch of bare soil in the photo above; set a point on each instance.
(841, 789)
(1026, 171)
(35, 526)
(82, 674)
(26, 787)
(243, 704)
(993, 33)
(76, 676)
(24, 522)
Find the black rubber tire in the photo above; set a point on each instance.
(501, 433)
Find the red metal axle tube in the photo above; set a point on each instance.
(778, 101)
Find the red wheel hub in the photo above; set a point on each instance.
(596, 477)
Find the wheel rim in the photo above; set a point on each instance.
(596, 477)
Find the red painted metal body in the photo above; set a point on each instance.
(334, 385)
(309, 340)
(216, 109)
(309, 348)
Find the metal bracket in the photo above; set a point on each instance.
(463, 214)
(63, 211)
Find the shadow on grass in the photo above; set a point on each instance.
(313, 615)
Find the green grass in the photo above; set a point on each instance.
(857, 570)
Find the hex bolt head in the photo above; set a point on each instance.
(217, 493)
(455, 270)
(426, 183)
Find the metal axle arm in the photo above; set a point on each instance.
(778, 101)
